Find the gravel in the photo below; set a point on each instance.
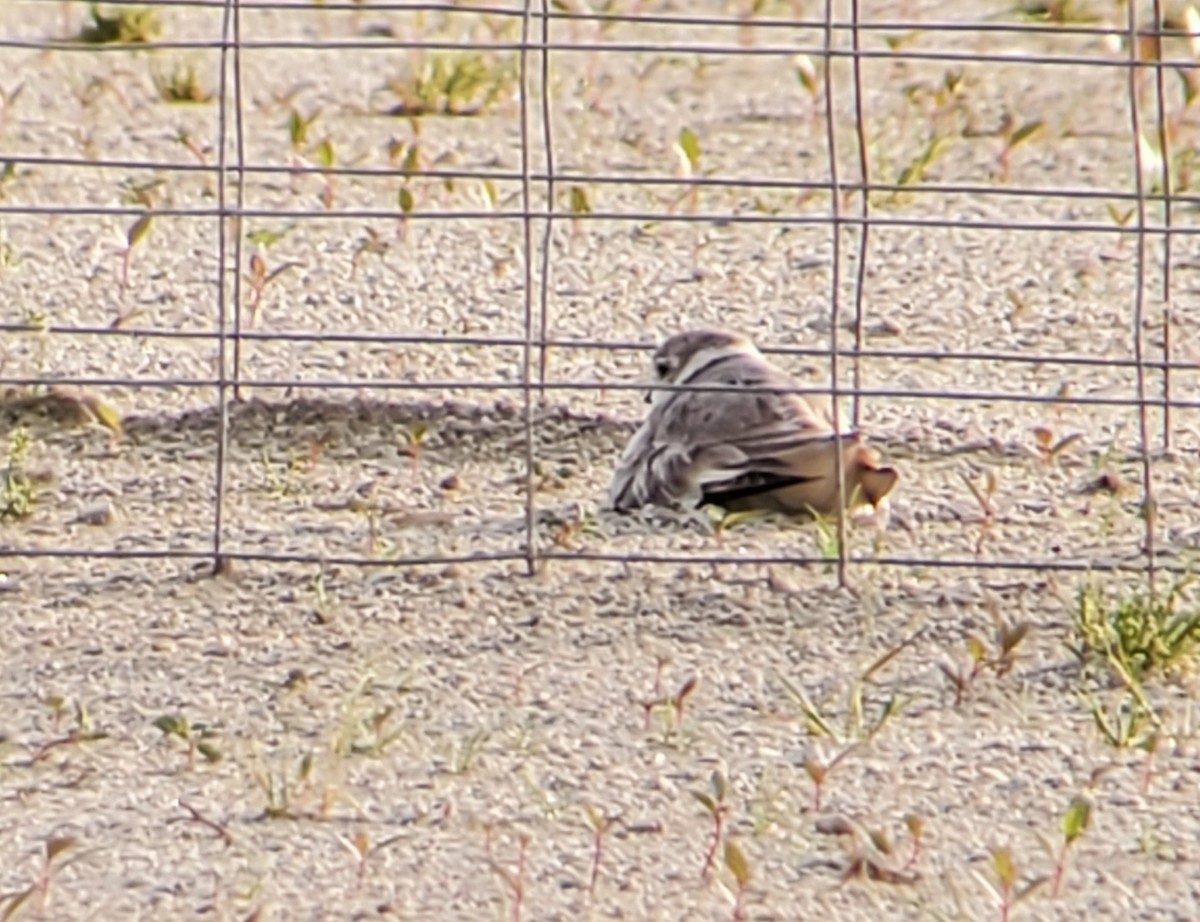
(437, 716)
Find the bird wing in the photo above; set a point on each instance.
(694, 440)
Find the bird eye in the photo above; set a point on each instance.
(662, 368)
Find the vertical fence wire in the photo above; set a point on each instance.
(228, 40)
(1139, 293)
(527, 236)
(548, 229)
(240, 180)
(864, 230)
(835, 275)
(1164, 146)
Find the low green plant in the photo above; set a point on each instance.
(197, 737)
(859, 725)
(81, 732)
(739, 867)
(1009, 891)
(997, 654)
(1074, 824)
(671, 707)
(460, 84)
(714, 802)
(181, 84)
(52, 862)
(18, 494)
(1057, 12)
(1136, 635)
(128, 25)
(600, 824)
(512, 879)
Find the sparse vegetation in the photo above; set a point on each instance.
(461, 84)
(19, 492)
(126, 25)
(181, 84)
(1136, 635)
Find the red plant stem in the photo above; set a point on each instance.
(597, 854)
(1060, 869)
(718, 829)
(519, 885)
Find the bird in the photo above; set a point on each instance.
(749, 441)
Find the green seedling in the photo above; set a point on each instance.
(810, 81)
(1057, 12)
(127, 26)
(997, 653)
(407, 204)
(600, 824)
(465, 754)
(58, 709)
(197, 737)
(8, 99)
(136, 233)
(869, 852)
(1129, 723)
(52, 863)
(1049, 448)
(578, 203)
(828, 543)
(818, 772)
(81, 732)
(1013, 136)
(463, 84)
(1008, 892)
(10, 175)
(194, 147)
(914, 173)
(181, 84)
(687, 150)
(266, 237)
(326, 160)
(18, 493)
(985, 497)
(379, 733)
(671, 707)
(373, 245)
(739, 867)
(279, 793)
(566, 532)
(258, 277)
(714, 804)
(859, 726)
(324, 606)
(406, 155)
(1075, 823)
(901, 41)
(299, 126)
(724, 521)
(283, 480)
(916, 832)
(412, 439)
(361, 849)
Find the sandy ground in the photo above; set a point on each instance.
(438, 716)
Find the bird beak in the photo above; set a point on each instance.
(649, 396)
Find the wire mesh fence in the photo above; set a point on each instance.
(375, 283)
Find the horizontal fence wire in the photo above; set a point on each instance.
(840, 198)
